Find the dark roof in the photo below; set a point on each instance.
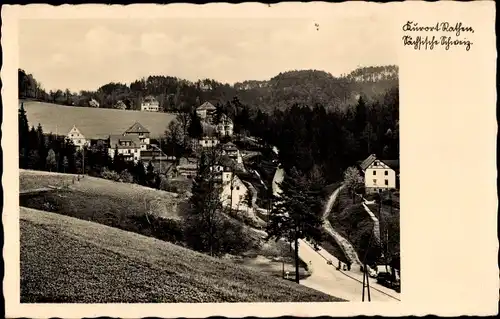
(150, 99)
(370, 159)
(394, 164)
(137, 128)
(207, 106)
(115, 139)
(229, 147)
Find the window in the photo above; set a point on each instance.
(374, 172)
(375, 181)
(228, 196)
(237, 188)
(386, 182)
(241, 198)
(386, 173)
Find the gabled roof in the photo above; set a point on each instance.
(149, 98)
(137, 128)
(225, 120)
(115, 139)
(229, 147)
(394, 164)
(207, 106)
(367, 162)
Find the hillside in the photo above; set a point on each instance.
(280, 92)
(93, 122)
(85, 262)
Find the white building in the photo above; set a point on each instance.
(129, 146)
(141, 132)
(378, 174)
(77, 138)
(150, 104)
(235, 197)
(208, 141)
(206, 111)
(225, 126)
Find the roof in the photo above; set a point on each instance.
(149, 98)
(370, 159)
(137, 128)
(394, 164)
(207, 106)
(229, 147)
(224, 119)
(115, 139)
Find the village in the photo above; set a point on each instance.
(135, 145)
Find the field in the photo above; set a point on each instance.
(93, 122)
(85, 262)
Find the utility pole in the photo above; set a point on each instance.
(366, 282)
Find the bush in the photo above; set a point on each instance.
(109, 174)
(126, 177)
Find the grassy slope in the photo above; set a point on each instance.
(93, 122)
(121, 205)
(87, 262)
(351, 220)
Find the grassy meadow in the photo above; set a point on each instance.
(93, 123)
(81, 260)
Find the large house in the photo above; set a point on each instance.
(141, 132)
(150, 104)
(77, 138)
(206, 111)
(129, 146)
(379, 174)
(225, 126)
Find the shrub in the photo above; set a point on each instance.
(126, 177)
(109, 174)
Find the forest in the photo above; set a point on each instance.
(307, 87)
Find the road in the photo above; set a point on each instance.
(326, 278)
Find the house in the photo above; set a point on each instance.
(150, 104)
(129, 146)
(232, 152)
(141, 132)
(225, 126)
(77, 138)
(188, 167)
(208, 141)
(162, 163)
(233, 191)
(206, 111)
(379, 174)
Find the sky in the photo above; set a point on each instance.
(83, 54)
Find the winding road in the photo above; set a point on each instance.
(326, 278)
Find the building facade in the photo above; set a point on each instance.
(378, 175)
(141, 132)
(150, 104)
(225, 126)
(77, 138)
(128, 146)
(206, 112)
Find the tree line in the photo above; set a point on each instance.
(308, 87)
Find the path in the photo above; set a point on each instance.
(326, 278)
(344, 244)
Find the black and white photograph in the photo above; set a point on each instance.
(250, 158)
(172, 160)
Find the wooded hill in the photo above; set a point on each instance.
(306, 87)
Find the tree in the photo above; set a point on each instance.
(297, 212)
(65, 163)
(195, 129)
(204, 219)
(352, 180)
(51, 160)
(24, 132)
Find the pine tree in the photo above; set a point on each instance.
(297, 211)
(195, 129)
(24, 132)
(51, 159)
(65, 163)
